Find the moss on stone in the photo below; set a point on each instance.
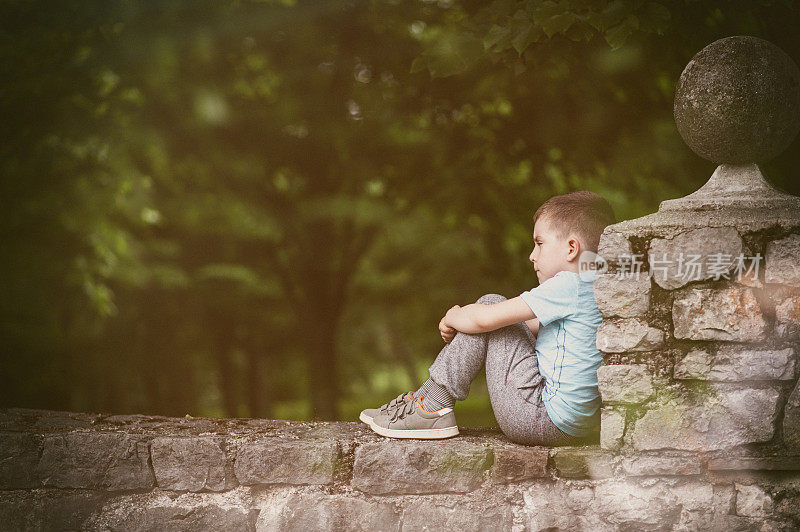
(455, 462)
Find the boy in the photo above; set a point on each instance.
(538, 348)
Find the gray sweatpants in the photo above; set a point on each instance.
(512, 375)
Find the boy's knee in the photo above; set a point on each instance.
(490, 299)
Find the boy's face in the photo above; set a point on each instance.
(551, 253)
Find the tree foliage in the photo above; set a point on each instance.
(264, 208)
(510, 30)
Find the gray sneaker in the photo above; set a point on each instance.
(369, 413)
(410, 420)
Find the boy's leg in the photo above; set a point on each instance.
(460, 361)
(515, 389)
(512, 375)
(429, 413)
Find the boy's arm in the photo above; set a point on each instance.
(478, 318)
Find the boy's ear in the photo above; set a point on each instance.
(573, 248)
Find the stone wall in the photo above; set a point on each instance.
(694, 363)
(61, 470)
(701, 300)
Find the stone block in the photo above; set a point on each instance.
(52, 420)
(697, 502)
(623, 296)
(47, 509)
(739, 523)
(724, 498)
(635, 505)
(618, 504)
(714, 418)
(279, 461)
(190, 464)
(735, 363)
(696, 255)
(696, 364)
(583, 463)
(738, 363)
(398, 467)
(612, 428)
(782, 261)
(754, 463)
(614, 247)
(791, 419)
(730, 314)
(628, 334)
(787, 318)
(466, 515)
(624, 383)
(563, 505)
(517, 463)
(323, 511)
(752, 501)
(19, 454)
(645, 464)
(159, 510)
(95, 460)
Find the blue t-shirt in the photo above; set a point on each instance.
(567, 351)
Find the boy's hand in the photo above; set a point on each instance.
(445, 330)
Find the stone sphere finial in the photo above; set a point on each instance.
(738, 101)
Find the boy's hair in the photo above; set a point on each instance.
(583, 213)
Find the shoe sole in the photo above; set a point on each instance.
(365, 418)
(421, 434)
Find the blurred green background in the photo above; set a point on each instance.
(263, 209)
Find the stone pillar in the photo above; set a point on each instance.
(701, 300)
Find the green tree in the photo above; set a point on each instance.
(68, 196)
(262, 208)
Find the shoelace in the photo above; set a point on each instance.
(404, 410)
(394, 403)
